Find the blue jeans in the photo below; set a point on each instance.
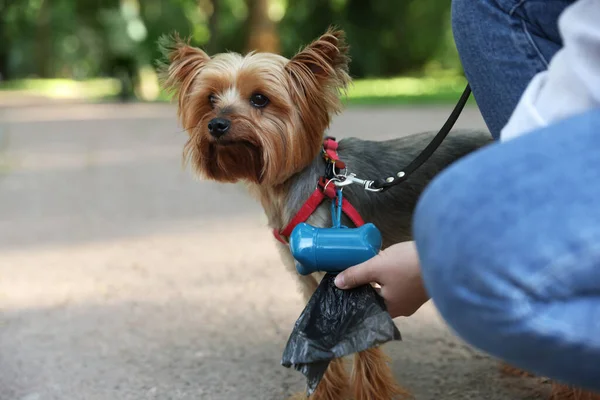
(509, 236)
(502, 44)
(509, 242)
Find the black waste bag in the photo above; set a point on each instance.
(334, 324)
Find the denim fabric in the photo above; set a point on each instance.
(509, 241)
(502, 44)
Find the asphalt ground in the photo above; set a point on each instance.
(123, 277)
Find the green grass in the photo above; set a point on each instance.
(63, 88)
(367, 92)
(405, 91)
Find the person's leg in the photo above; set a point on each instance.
(502, 44)
(509, 241)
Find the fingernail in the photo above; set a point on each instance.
(339, 281)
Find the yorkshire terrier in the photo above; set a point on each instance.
(261, 119)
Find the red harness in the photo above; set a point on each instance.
(324, 190)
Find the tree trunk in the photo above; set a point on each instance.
(212, 7)
(4, 49)
(262, 30)
(44, 41)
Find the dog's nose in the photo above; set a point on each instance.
(218, 126)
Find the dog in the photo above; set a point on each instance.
(260, 119)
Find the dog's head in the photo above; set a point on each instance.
(258, 117)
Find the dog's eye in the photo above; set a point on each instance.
(259, 100)
(212, 99)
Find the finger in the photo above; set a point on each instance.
(391, 308)
(378, 290)
(358, 275)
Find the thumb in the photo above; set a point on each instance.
(358, 275)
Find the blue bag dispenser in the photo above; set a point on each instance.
(333, 249)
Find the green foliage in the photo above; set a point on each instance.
(363, 92)
(90, 38)
(386, 38)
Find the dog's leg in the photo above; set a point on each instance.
(509, 370)
(566, 392)
(372, 378)
(559, 391)
(335, 384)
(307, 284)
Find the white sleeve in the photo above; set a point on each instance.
(571, 84)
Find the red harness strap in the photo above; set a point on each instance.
(330, 152)
(322, 191)
(352, 213)
(305, 212)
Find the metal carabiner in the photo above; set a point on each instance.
(342, 180)
(367, 186)
(350, 179)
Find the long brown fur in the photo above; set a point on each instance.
(372, 378)
(566, 392)
(319, 74)
(334, 385)
(559, 391)
(509, 370)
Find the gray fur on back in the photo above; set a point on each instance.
(390, 211)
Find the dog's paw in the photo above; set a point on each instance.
(509, 370)
(565, 392)
(298, 396)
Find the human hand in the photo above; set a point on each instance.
(396, 269)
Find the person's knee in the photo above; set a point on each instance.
(487, 233)
(461, 11)
(463, 267)
(473, 18)
(467, 17)
(477, 224)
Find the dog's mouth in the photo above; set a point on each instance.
(226, 142)
(241, 143)
(231, 159)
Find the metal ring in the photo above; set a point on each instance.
(334, 179)
(338, 173)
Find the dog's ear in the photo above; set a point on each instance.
(318, 75)
(326, 59)
(181, 64)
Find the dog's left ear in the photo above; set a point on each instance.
(181, 64)
(326, 60)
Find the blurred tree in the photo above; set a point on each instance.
(78, 39)
(212, 8)
(4, 49)
(215, 25)
(303, 22)
(17, 23)
(167, 16)
(386, 37)
(124, 32)
(44, 42)
(231, 19)
(262, 30)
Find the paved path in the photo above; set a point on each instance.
(121, 277)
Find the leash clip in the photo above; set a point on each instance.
(346, 180)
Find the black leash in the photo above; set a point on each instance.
(381, 185)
